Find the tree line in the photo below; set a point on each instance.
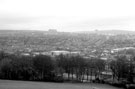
(77, 68)
(46, 68)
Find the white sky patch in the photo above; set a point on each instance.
(67, 15)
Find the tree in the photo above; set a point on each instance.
(44, 66)
(2, 55)
(72, 65)
(119, 67)
(5, 68)
(22, 68)
(79, 67)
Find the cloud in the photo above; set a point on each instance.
(73, 15)
(123, 23)
(67, 23)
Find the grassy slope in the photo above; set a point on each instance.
(8, 84)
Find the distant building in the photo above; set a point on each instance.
(25, 54)
(57, 53)
(63, 52)
(52, 30)
(96, 30)
(122, 49)
(45, 53)
(35, 53)
(75, 53)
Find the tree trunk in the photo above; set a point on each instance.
(91, 75)
(87, 74)
(72, 73)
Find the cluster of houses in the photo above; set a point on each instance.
(51, 53)
(105, 55)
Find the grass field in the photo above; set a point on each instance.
(9, 84)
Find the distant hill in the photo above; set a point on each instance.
(116, 32)
(113, 32)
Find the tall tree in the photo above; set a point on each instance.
(44, 66)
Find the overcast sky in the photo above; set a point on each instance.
(67, 15)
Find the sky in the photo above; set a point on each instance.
(67, 15)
